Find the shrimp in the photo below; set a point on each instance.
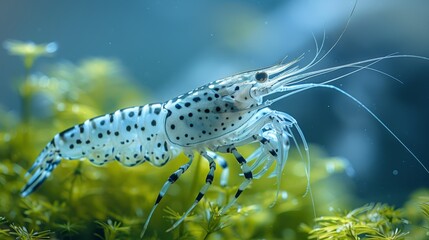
(215, 118)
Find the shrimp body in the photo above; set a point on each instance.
(214, 118)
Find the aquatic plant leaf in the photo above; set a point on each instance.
(21, 232)
(29, 50)
(371, 221)
(112, 229)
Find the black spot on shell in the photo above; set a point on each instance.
(100, 135)
(131, 114)
(206, 110)
(78, 141)
(128, 128)
(102, 122)
(116, 133)
(71, 146)
(187, 104)
(153, 123)
(108, 132)
(172, 126)
(178, 106)
(87, 141)
(190, 114)
(218, 109)
(157, 110)
(181, 117)
(196, 99)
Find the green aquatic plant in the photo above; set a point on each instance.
(23, 233)
(112, 230)
(30, 51)
(3, 231)
(83, 201)
(372, 221)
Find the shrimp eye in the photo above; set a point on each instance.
(261, 77)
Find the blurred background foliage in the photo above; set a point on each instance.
(81, 201)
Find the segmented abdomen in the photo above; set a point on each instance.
(130, 135)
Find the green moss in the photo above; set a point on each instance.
(82, 201)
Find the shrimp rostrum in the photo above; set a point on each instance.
(212, 119)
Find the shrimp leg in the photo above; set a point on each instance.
(172, 179)
(203, 190)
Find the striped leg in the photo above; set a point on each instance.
(247, 175)
(269, 148)
(224, 165)
(203, 190)
(275, 142)
(172, 179)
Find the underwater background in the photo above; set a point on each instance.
(109, 55)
